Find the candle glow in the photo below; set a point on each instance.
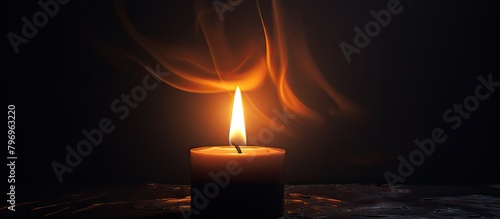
(237, 133)
(251, 177)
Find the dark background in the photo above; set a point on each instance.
(428, 58)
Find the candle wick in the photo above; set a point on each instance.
(237, 147)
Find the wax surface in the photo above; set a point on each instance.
(231, 151)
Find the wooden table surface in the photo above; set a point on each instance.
(301, 201)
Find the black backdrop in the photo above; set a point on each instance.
(428, 58)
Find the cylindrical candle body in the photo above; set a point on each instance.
(225, 184)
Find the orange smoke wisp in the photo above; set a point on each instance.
(263, 54)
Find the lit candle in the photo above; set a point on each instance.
(237, 181)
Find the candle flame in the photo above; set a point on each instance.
(237, 133)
